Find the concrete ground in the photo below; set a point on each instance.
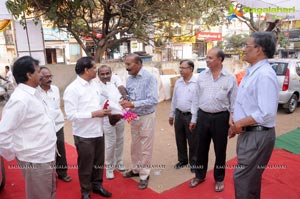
(163, 175)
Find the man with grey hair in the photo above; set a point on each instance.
(254, 115)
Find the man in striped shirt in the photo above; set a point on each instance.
(143, 97)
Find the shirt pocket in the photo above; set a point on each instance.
(222, 94)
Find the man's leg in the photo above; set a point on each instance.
(39, 179)
(110, 146)
(119, 145)
(204, 139)
(86, 154)
(181, 139)
(61, 160)
(254, 150)
(192, 140)
(219, 137)
(147, 140)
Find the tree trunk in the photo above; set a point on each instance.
(99, 54)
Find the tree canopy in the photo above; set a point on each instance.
(235, 41)
(119, 20)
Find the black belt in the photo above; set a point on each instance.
(256, 128)
(184, 113)
(217, 113)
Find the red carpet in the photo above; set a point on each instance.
(280, 181)
(120, 187)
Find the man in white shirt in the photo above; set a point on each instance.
(181, 111)
(9, 76)
(27, 132)
(51, 97)
(114, 133)
(83, 106)
(254, 115)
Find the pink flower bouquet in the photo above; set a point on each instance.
(116, 109)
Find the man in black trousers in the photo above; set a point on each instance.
(211, 108)
(181, 111)
(84, 107)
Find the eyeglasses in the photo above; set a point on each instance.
(181, 67)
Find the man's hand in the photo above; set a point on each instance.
(231, 134)
(234, 129)
(192, 126)
(101, 113)
(171, 121)
(126, 104)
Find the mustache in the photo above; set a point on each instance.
(49, 82)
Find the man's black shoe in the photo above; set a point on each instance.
(130, 174)
(85, 196)
(65, 178)
(179, 165)
(102, 192)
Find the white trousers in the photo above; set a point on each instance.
(114, 142)
(142, 137)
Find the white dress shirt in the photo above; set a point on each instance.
(52, 99)
(183, 95)
(81, 98)
(27, 131)
(258, 95)
(214, 95)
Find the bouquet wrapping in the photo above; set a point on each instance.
(117, 112)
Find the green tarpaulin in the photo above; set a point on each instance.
(289, 141)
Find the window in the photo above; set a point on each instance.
(298, 68)
(279, 67)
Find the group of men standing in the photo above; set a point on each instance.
(31, 127)
(212, 107)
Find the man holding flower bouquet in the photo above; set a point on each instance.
(142, 89)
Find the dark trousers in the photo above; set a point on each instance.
(183, 136)
(212, 127)
(90, 162)
(61, 161)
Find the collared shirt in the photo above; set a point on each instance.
(214, 96)
(81, 98)
(183, 95)
(52, 99)
(27, 131)
(258, 95)
(143, 91)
